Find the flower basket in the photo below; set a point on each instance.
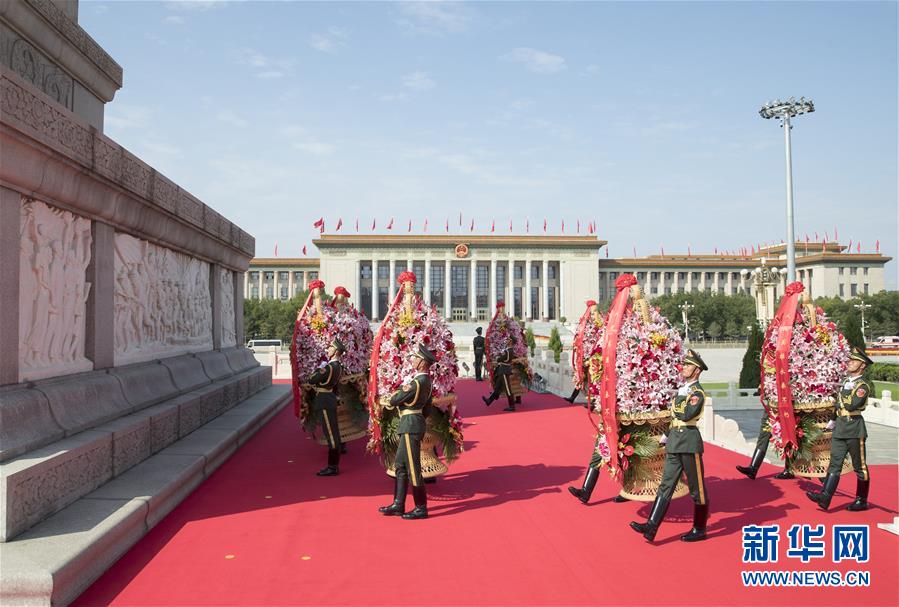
(410, 323)
(812, 457)
(503, 333)
(318, 323)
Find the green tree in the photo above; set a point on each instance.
(750, 374)
(529, 338)
(852, 330)
(555, 343)
(731, 329)
(714, 330)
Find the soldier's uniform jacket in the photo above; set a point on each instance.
(325, 381)
(848, 410)
(411, 405)
(478, 345)
(686, 407)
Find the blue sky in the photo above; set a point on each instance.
(640, 116)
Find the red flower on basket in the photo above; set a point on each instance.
(317, 284)
(794, 288)
(625, 280)
(341, 291)
(406, 276)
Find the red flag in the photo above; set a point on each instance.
(460, 219)
(357, 225)
(835, 237)
(858, 248)
(825, 237)
(373, 222)
(635, 251)
(607, 251)
(816, 236)
(304, 249)
(689, 251)
(426, 224)
(339, 224)
(527, 225)
(471, 229)
(410, 226)
(544, 225)
(752, 247)
(447, 225)
(563, 226)
(877, 246)
(320, 223)
(850, 246)
(716, 250)
(510, 225)
(578, 226)
(493, 226)
(276, 249)
(662, 249)
(824, 247)
(390, 224)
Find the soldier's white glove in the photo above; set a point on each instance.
(664, 439)
(830, 425)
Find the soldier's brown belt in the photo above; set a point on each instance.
(844, 413)
(324, 390)
(676, 423)
(405, 412)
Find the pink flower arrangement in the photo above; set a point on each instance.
(648, 362)
(502, 333)
(316, 333)
(818, 359)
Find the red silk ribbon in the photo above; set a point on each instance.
(786, 315)
(294, 363)
(577, 349)
(373, 370)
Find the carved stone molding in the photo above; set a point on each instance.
(32, 65)
(55, 250)
(229, 334)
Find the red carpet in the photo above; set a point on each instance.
(263, 530)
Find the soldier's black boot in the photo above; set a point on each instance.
(786, 474)
(398, 506)
(830, 487)
(332, 468)
(861, 496)
(573, 395)
(489, 399)
(420, 496)
(583, 494)
(511, 406)
(758, 456)
(343, 448)
(651, 526)
(700, 517)
(620, 499)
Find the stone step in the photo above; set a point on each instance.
(56, 560)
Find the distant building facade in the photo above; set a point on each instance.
(541, 277)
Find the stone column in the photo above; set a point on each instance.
(276, 285)
(427, 287)
(290, 284)
(391, 284)
(358, 283)
(545, 281)
(246, 284)
(562, 310)
(10, 251)
(526, 295)
(215, 290)
(239, 330)
(99, 343)
(447, 289)
(306, 279)
(374, 289)
(492, 298)
(472, 282)
(510, 299)
(259, 281)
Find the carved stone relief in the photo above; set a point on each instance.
(163, 305)
(31, 64)
(229, 334)
(55, 250)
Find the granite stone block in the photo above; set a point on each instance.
(215, 365)
(187, 372)
(146, 384)
(26, 422)
(82, 401)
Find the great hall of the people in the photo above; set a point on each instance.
(539, 277)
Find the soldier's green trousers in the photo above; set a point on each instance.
(855, 447)
(329, 426)
(408, 458)
(691, 465)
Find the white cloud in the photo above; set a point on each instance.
(331, 41)
(175, 20)
(265, 67)
(434, 17)
(418, 81)
(229, 117)
(592, 69)
(161, 148)
(536, 61)
(251, 57)
(121, 117)
(316, 148)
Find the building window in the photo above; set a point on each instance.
(682, 276)
(722, 275)
(437, 285)
(365, 299)
(500, 282)
(419, 270)
(551, 293)
(853, 289)
(613, 276)
(842, 290)
(601, 294)
(696, 275)
(364, 271)
(865, 271)
(865, 289)
(853, 271)
(482, 286)
(519, 272)
(516, 297)
(535, 271)
(383, 271)
(313, 276)
(269, 292)
(641, 275)
(669, 275)
(535, 302)
(551, 269)
(382, 302)
(284, 292)
(459, 286)
(654, 276)
(254, 275)
(398, 268)
(735, 275)
(841, 271)
(733, 290)
(269, 275)
(667, 290)
(254, 292)
(709, 275)
(282, 276)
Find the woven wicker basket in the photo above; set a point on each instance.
(816, 467)
(351, 386)
(431, 464)
(643, 486)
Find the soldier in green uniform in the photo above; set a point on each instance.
(325, 381)
(683, 454)
(502, 371)
(411, 400)
(849, 435)
(478, 344)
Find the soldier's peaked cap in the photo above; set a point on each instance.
(426, 354)
(693, 358)
(859, 354)
(336, 343)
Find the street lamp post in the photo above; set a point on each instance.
(784, 110)
(863, 306)
(763, 279)
(684, 308)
